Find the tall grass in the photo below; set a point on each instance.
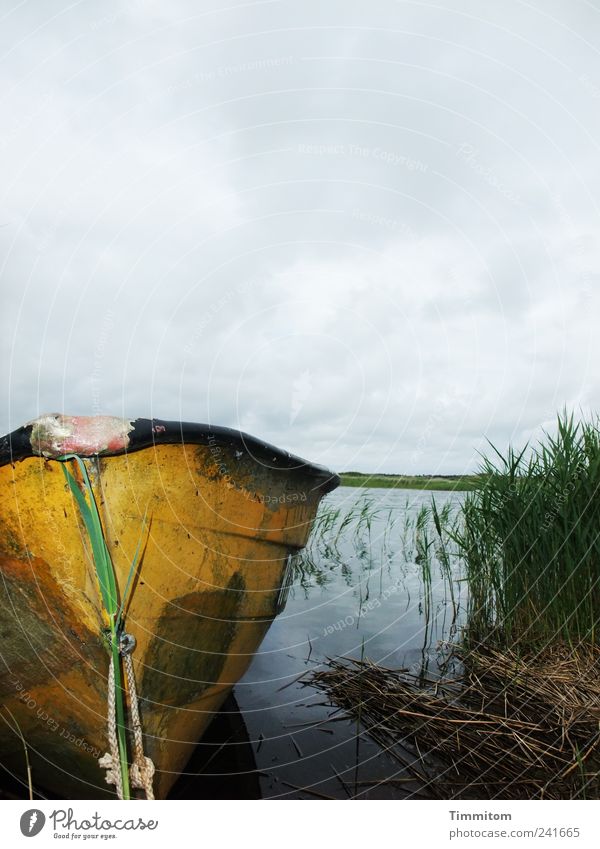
(530, 539)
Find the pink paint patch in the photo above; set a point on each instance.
(56, 435)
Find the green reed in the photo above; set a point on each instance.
(363, 537)
(337, 537)
(530, 540)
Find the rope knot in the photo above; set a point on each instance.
(106, 762)
(141, 775)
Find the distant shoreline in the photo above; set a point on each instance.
(456, 483)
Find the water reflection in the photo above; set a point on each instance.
(223, 765)
(374, 582)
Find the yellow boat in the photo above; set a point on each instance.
(215, 515)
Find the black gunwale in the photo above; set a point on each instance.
(146, 433)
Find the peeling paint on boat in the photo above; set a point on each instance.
(55, 435)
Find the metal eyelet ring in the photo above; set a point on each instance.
(127, 643)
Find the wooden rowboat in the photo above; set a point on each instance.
(224, 512)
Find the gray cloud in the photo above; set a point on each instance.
(365, 232)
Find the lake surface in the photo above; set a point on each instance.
(363, 597)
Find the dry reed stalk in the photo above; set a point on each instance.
(510, 727)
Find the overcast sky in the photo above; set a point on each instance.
(364, 231)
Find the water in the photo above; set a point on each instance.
(367, 598)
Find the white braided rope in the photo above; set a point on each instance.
(141, 771)
(111, 761)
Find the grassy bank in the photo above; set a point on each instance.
(530, 540)
(428, 482)
(517, 714)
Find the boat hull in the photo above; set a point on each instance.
(216, 550)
